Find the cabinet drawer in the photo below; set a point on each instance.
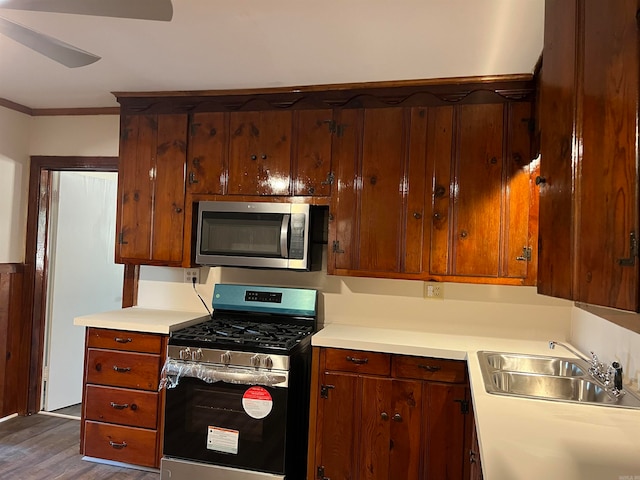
(123, 406)
(124, 340)
(358, 361)
(121, 444)
(123, 369)
(426, 368)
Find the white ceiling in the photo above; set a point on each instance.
(226, 44)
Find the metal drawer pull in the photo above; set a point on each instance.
(118, 446)
(123, 340)
(430, 368)
(384, 416)
(359, 361)
(119, 406)
(121, 369)
(397, 417)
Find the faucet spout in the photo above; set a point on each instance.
(553, 343)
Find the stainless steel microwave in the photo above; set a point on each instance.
(259, 235)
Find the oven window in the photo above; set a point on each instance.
(210, 423)
(243, 234)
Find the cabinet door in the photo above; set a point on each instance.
(477, 197)
(557, 112)
(444, 452)
(607, 211)
(337, 440)
(390, 429)
(483, 205)
(260, 153)
(151, 189)
(383, 181)
(313, 132)
(343, 217)
(207, 159)
(379, 207)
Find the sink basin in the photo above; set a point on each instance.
(534, 364)
(559, 388)
(546, 378)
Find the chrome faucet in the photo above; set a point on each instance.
(553, 343)
(610, 377)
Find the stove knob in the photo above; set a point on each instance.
(197, 354)
(255, 360)
(267, 362)
(185, 354)
(226, 358)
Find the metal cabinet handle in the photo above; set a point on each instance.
(119, 406)
(384, 416)
(118, 446)
(417, 215)
(359, 361)
(121, 369)
(397, 417)
(122, 340)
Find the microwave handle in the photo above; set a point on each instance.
(284, 235)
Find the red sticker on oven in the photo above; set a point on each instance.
(257, 402)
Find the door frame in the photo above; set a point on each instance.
(36, 268)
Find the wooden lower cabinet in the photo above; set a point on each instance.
(378, 416)
(121, 406)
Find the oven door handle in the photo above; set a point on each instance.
(284, 236)
(175, 369)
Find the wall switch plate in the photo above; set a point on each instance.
(434, 290)
(190, 274)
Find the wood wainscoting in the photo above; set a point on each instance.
(14, 340)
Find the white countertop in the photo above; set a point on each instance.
(145, 320)
(520, 439)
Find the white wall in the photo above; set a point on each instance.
(14, 181)
(75, 135)
(481, 310)
(22, 136)
(611, 342)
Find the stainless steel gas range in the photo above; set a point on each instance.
(237, 387)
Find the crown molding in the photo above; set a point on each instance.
(50, 112)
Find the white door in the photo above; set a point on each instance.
(82, 279)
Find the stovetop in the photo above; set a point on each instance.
(254, 318)
(242, 334)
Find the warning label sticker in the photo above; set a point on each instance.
(257, 402)
(222, 440)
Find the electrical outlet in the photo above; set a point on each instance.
(434, 290)
(190, 274)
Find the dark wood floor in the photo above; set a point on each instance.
(43, 447)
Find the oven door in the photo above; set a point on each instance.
(234, 425)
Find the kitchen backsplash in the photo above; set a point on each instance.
(477, 310)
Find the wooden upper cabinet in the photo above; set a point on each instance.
(483, 207)
(378, 209)
(207, 158)
(313, 133)
(589, 124)
(260, 153)
(151, 189)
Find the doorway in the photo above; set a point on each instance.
(29, 387)
(82, 277)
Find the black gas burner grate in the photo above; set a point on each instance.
(221, 332)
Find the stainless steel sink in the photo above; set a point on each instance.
(534, 364)
(546, 378)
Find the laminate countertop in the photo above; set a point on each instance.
(520, 439)
(144, 320)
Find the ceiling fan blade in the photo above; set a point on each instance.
(56, 50)
(140, 9)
